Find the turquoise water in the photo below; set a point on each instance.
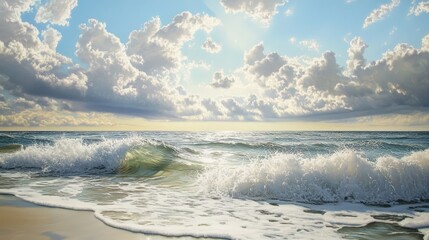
(238, 185)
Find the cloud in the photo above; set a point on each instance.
(256, 53)
(421, 7)
(40, 118)
(56, 12)
(158, 49)
(310, 44)
(236, 110)
(139, 77)
(117, 77)
(260, 10)
(222, 81)
(114, 83)
(211, 47)
(261, 66)
(312, 88)
(31, 66)
(412, 119)
(51, 37)
(136, 78)
(356, 59)
(289, 12)
(380, 12)
(28, 111)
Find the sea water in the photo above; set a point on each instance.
(234, 185)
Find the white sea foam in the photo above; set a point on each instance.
(344, 175)
(170, 213)
(67, 155)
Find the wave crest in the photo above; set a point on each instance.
(69, 156)
(343, 176)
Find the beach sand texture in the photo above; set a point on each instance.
(23, 220)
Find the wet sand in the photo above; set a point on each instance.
(23, 220)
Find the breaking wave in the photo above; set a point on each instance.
(345, 175)
(74, 156)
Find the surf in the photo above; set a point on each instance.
(67, 156)
(345, 175)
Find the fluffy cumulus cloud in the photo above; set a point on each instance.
(211, 47)
(222, 81)
(117, 77)
(134, 78)
(380, 12)
(51, 37)
(396, 82)
(137, 77)
(156, 49)
(261, 65)
(56, 12)
(261, 10)
(355, 52)
(419, 8)
(29, 65)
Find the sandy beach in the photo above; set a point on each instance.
(23, 220)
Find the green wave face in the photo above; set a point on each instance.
(11, 148)
(152, 160)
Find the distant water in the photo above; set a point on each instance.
(236, 185)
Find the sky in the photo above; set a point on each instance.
(214, 65)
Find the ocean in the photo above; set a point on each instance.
(231, 185)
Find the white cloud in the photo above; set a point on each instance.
(356, 59)
(136, 78)
(160, 47)
(236, 110)
(56, 12)
(51, 37)
(380, 12)
(110, 70)
(30, 65)
(421, 7)
(214, 110)
(260, 10)
(266, 66)
(114, 80)
(256, 53)
(396, 82)
(289, 12)
(222, 81)
(114, 83)
(139, 77)
(310, 44)
(425, 43)
(211, 47)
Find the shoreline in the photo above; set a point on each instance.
(20, 219)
